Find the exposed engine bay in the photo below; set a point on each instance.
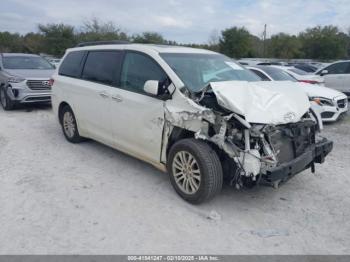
(256, 153)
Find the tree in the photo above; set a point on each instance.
(348, 42)
(57, 38)
(284, 46)
(33, 43)
(323, 43)
(95, 30)
(236, 42)
(149, 38)
(10, 42)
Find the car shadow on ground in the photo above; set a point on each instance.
(29, 107)
(33, 107)
(229, 195)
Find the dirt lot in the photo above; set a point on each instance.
(56, 197)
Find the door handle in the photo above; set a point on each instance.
(117, 98)
(103, 94)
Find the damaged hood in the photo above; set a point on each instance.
(262, 102)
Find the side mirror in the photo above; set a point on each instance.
(151, 87)
(324, 72)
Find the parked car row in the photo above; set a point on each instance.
(333, 102)
(194, 113)
(333, 75)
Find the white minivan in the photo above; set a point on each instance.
(194, 113)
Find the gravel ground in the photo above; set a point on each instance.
(60, 198)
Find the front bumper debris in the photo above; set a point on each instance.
(314, 154)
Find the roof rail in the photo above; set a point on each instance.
(113, 42)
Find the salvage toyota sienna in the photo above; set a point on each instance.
(194, 113)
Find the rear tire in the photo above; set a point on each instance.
(195, 170)
(6, 102)
(69, 125)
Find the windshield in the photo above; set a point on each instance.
(278, 74)
(26, 62)
(297, 71)
(198, 70)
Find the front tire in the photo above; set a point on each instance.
(69, 125)
(195, 170)
(6, 102)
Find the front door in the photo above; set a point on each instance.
(138, 118)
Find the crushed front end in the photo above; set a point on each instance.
(289, 149)
(266, 154)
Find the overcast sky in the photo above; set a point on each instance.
(179, 20)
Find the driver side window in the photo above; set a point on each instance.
(137, 69)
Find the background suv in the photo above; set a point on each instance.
(24, 78)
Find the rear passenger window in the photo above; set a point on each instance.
(137, 69)
(71, 65)
(103, 67)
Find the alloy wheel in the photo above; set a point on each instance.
(69, 124)
(186, 172)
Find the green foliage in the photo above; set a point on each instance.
(324, 43)
(284, 46)
(10, 42)
(149, 38)
(95, 30)
(236, 42)
(57, 38)
(33, 43)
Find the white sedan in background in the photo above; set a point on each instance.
(333, 102)
(301, 75)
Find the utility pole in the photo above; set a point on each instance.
(264, 41)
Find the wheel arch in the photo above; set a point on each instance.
(177, 134)
(60, 110)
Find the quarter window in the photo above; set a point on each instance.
(103, 67)
(137, 69)
(338, 68)
(72, 64)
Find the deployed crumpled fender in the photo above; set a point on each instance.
(262, 102)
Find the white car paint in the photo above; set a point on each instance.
(337, 76)
(306, 77)
(273, 103)
(141, 124)
(95, 104)
(329, 112)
